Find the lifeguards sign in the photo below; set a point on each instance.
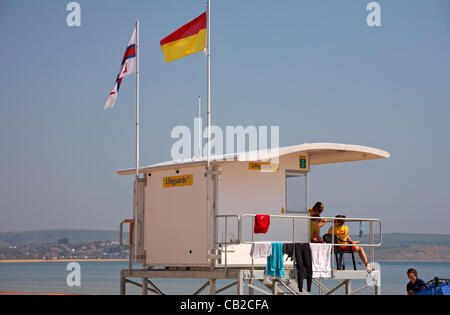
(263, 167)
(183, 180)
(303, 162)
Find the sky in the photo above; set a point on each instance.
(313, 67)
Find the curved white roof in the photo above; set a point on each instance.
(319, 153)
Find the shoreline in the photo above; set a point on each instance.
(19, 261)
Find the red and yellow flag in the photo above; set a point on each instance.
(186, 40)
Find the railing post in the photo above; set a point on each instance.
(372, 249)
(226, 245)
(253, 243)
(332, 246)
(294, 269)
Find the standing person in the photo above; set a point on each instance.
(342, 231)
(415, 284)
(317, 211)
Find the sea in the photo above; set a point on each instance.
(102, 278)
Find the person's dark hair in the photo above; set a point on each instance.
(315, 217)
(340, 218)
(413, 271)
(317, 206)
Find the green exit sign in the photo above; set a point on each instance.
(303, 162)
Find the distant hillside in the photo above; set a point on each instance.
(430, 253)
(401, 240)
(50, 236)
(396, 246)
(411, 247)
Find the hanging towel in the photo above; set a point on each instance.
(275, 266)
(262, 223)
(321, 260)
(261, 250)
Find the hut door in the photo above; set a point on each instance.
(296, 192)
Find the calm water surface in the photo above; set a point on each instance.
(103, 278)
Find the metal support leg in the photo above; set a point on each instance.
(251, 291)
(348, 287)
(377, 290)
(240, 284)
(212, 286)
(333, 290)
(144, 286)
(378, 283)
(275, 287)
(201, 288)
(226, 287)
(154, 288)
(123, 285)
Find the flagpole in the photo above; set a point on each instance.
(200, 131)
(208, 58)
(130, 262)
(137, 99)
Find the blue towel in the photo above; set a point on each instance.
(275, 266)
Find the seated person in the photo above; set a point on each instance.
(415, 284)
(342, 231)
(317, 210)
(315, 229)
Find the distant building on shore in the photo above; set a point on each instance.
(63, 241)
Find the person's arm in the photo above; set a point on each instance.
(421, 286)
(318, 237)
(409, 290)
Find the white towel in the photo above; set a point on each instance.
(321, 260)
(261, 250)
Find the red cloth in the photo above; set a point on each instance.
(262, 223)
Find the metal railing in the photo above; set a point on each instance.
(328, 219)
(241, 240)
(131, 222)
(225, 243)
(226, 217)
(371, 244)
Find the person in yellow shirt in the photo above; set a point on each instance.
(342, 231)
(315, 230)
(317, 210)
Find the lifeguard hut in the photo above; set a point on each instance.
(174, 236)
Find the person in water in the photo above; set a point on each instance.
(415, 284)
(315, 229)
(317, 211)
(342, 231)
